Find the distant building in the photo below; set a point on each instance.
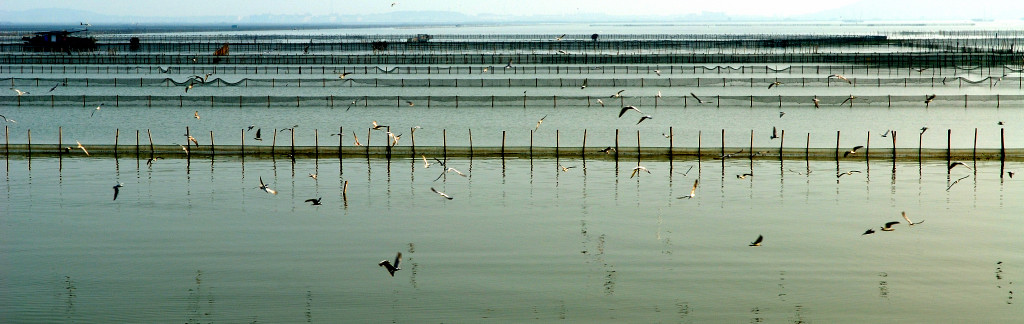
(58, 41)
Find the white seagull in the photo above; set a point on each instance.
(637, 170)
(443, 195)
(266, 188)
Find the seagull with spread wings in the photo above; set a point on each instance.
(398, 258)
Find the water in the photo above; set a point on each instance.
(197, 241)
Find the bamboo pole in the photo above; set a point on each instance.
(151, 149)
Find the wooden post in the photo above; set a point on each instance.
(807, 148)
(7, 140)
(782, 139)
(316, 143)
(368, 132)
(583, 150)
(750, 154)
(698, 144)
(242, 137)
(920, 136)
(893, 145)
(444, 143)
(867, 147)
(616, 144)
(502, 144)
(671, 136)
(30, 142)
(136, 144)
(273, 142)
(974, 150)
(117, 135)
(188, 143)
(723, 144)
(837, 145)
(341, 133)
(292, 131)
(150, 134)
(213, 146)
(557, 144)
(60, 138)
(1002, 145)
(470, 142)
(949, 134)
(412, 136)
(531, 144)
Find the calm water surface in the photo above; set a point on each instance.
(196, 241)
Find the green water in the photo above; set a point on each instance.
(196, 241)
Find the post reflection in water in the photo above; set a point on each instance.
(510, 228)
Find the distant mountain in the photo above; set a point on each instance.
(920, 10)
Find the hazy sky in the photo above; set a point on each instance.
(512, 7)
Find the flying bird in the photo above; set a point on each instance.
(193, 140)
(928, 100)
(183, 148)
(83, 148)
(887, 131)
(20, 93)
(658, 95)
(645, 117)
(850, 99)
(314, 201)
(904, 214)
(54, 87)
(356, 138)
(956, 163)
(565, 168)
(955, 182)
(95, 110)
(443, 195)
(693, 190)
(313, 175)
(608, 150)
(637, 170)
(584, 86)
(410, 103)
(539, 122)
(775, 133)
(853, 150)
(251, 127)
(258, 138)
(117, 189)
(628, 108)
(923, 129)
(425, 163)
(617, 94)
(188, 87)
(343, 75)
(152, 159)
(776, 83)
(1010, 173)
(695, 97)
(600, 102)
(744, 176)
(196, 115)
(378, 127)
(888, 226)
(658, 72)
(782, 113)
(841, 174)
(840, 77)
(817, 103)
(509, 65)
(560, 37)
(265, 187)
(398, 258)
(869, 231)
(757, 242)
